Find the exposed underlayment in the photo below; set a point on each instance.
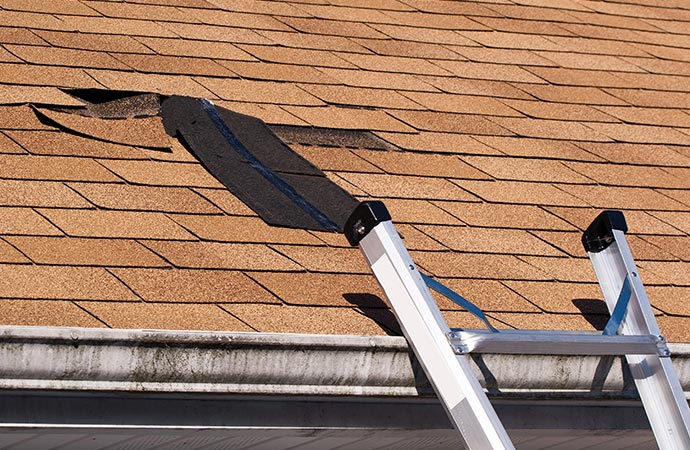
(493, 131)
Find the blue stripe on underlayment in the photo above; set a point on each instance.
(267, 173)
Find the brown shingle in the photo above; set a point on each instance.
(25, 221)
(670, 299)
(301, 319)
(414, 239)
(522, 169)
(153, 316)
(17, 95)
(162, 84)
(502, 56)
(360, 78)
(336, 159)
(563, 269)
(173, 65)
(233, 19)
(85, 252)
(310, 41)
(500, 39)
(53, 168)
(406, 163)
(215, 255)
(271, 114)
(543, 321)
(591, 62)
(12, 35)
(571, 94)
(344, 95)
(162, 173)
(438, 142)
(639, 222)
(199, 49)
(54, 7)
(461, 104)
(117, 26)
(489, 240)
(643, 134)
(419, 211)
(57, 282)
(241, 229)
(226, 201)
(259, 91)
(326, 259)
(8, 146)
(427, 35)
(277, 72)
(435, 21)
(89, 41)
(664, 272)
(655, 155)
(394, 64)
(332, 27)
(504, 216)
(320, 289)
(648, 116)
(678, 219)
(485, 71)
(626, 175)
(520, 192)
(144, 198)
(621, 197)
(477, 265)
(409, 49)
(67, 144)
(145, 132)
(194, 286)
(45, 313)
(9, 254)
(453, 123)
(349, 118)
(488, 295)
(559, 111)
(539, 148)
(52, 56)
(551, 129)
(39, 193)
(115, 224)
(45, 76)
(297, 56)
(139, 11)
(397, 186)
(25, 19)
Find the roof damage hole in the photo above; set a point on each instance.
(116, 104)
(240, 151)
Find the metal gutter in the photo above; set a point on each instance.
(139, 386)
(258, 363)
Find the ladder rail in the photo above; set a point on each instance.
(655, 378)
(427, 332)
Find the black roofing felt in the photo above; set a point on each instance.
(283, 188)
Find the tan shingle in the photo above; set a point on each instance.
(477, 265)
(193, 286)
(159, 83)
(67, 144)
(259, 91)
(520, 193)
(90, 41)
(52, 56)
(56, 282)
(45, 313)
(115, 224)
(39, 193)
(215, 255)
(398, 186)
(241, 229)
(57, 168)
(156, 173)
(301, 319)
(504, 216)
(349, 118)
(407, 163)
(156, 316)
(174, 65)
(25, 221)
(326, 259)
(9, 254)
(521, 169)
(85, 252)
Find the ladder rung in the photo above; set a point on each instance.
(555, 343)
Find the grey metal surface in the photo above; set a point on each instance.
(86, 389)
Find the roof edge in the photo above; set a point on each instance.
(85, 359)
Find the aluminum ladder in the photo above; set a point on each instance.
(632, 331)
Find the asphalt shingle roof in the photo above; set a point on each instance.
(494, 130)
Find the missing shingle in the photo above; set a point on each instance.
(107, 104)
(244, 154)
(327, 137)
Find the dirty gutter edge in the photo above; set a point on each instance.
(85, 359)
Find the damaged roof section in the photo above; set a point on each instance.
(240, 151)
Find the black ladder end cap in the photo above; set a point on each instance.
(599, 234)
(365, 217)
